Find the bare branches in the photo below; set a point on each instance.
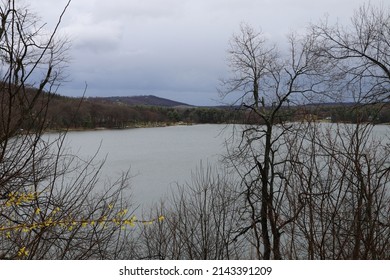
(201, 221)
(50, 206)
(360, 52)
(307, 190)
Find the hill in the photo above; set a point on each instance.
(145, 100)
(129, 111)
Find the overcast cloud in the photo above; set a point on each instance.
(170, 48)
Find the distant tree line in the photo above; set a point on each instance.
(65, 112)
(77, 113)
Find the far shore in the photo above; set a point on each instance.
(169, 124)
(138, 125)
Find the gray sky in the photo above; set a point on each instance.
(170, 48)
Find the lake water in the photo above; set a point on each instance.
(158, 158)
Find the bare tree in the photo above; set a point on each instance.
(341, 174)
(360, 53)
(308, 193)
(356, 169)
(269, 82)
(201, 220)
(50, 207)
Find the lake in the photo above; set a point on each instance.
(158, 158)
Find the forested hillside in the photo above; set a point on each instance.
(76, 113)
(89, 113)
(65, 112)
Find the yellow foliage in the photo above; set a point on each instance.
(23, 252)
(16, 198)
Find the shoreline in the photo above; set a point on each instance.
(170, 124)
(135, 126)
